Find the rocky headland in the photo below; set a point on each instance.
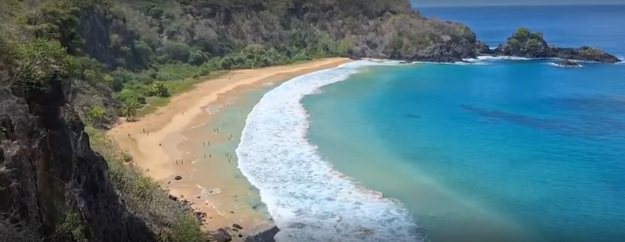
(525, 43)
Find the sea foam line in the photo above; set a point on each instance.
(307, 198)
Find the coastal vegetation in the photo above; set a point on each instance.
(123, 50)
(99, 59)
(63, 62)
(144, 197)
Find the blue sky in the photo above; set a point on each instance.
(418, 3)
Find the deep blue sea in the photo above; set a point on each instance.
(497, 150)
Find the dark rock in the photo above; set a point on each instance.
(567, 63)
(178, 178)
(221, 235)
(200, 216)
(483, 49)
(264, 236)
(525, 43)
(236, 226)
(50, 170)
(585, 54)
(444, 53)
(172, 197)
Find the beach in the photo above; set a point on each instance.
(188, 145)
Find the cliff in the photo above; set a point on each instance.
(50, 177)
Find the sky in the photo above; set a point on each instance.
(418, 3)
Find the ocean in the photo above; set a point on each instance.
(492, 150)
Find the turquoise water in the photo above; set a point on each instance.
(500, 150)
(506, 151)
(496, 150)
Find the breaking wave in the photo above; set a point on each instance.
(307, 198)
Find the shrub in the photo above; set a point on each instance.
(40, 61)
(158, 89)
(96, 115)
(127, 95)
(144, 197)
(72, 228)
(126, 157)
(186, 228)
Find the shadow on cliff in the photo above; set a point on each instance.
(48, 169)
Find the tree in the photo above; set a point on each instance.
(142, 52)
(197, 58)
(127, 95)
(177, 51)
(129, 109)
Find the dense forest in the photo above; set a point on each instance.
(130, 51)
(70, 68)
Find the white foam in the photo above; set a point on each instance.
(496, 58)
(564, 66)
(307, 198)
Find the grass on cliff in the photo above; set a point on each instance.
(144, 197)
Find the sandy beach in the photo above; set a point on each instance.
(194, 137)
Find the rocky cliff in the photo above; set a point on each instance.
(50, 179)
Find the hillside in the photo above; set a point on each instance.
(63, 61)
(130, 53)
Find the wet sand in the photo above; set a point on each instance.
(195, 136)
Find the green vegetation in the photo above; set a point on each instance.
(144, 197)
(120, 45)
(129, 57)
(526, 43)
(39, 61)
(72, 228)
(96, 115)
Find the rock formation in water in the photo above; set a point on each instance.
(525, 43)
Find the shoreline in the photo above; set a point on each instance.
(171, 142)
